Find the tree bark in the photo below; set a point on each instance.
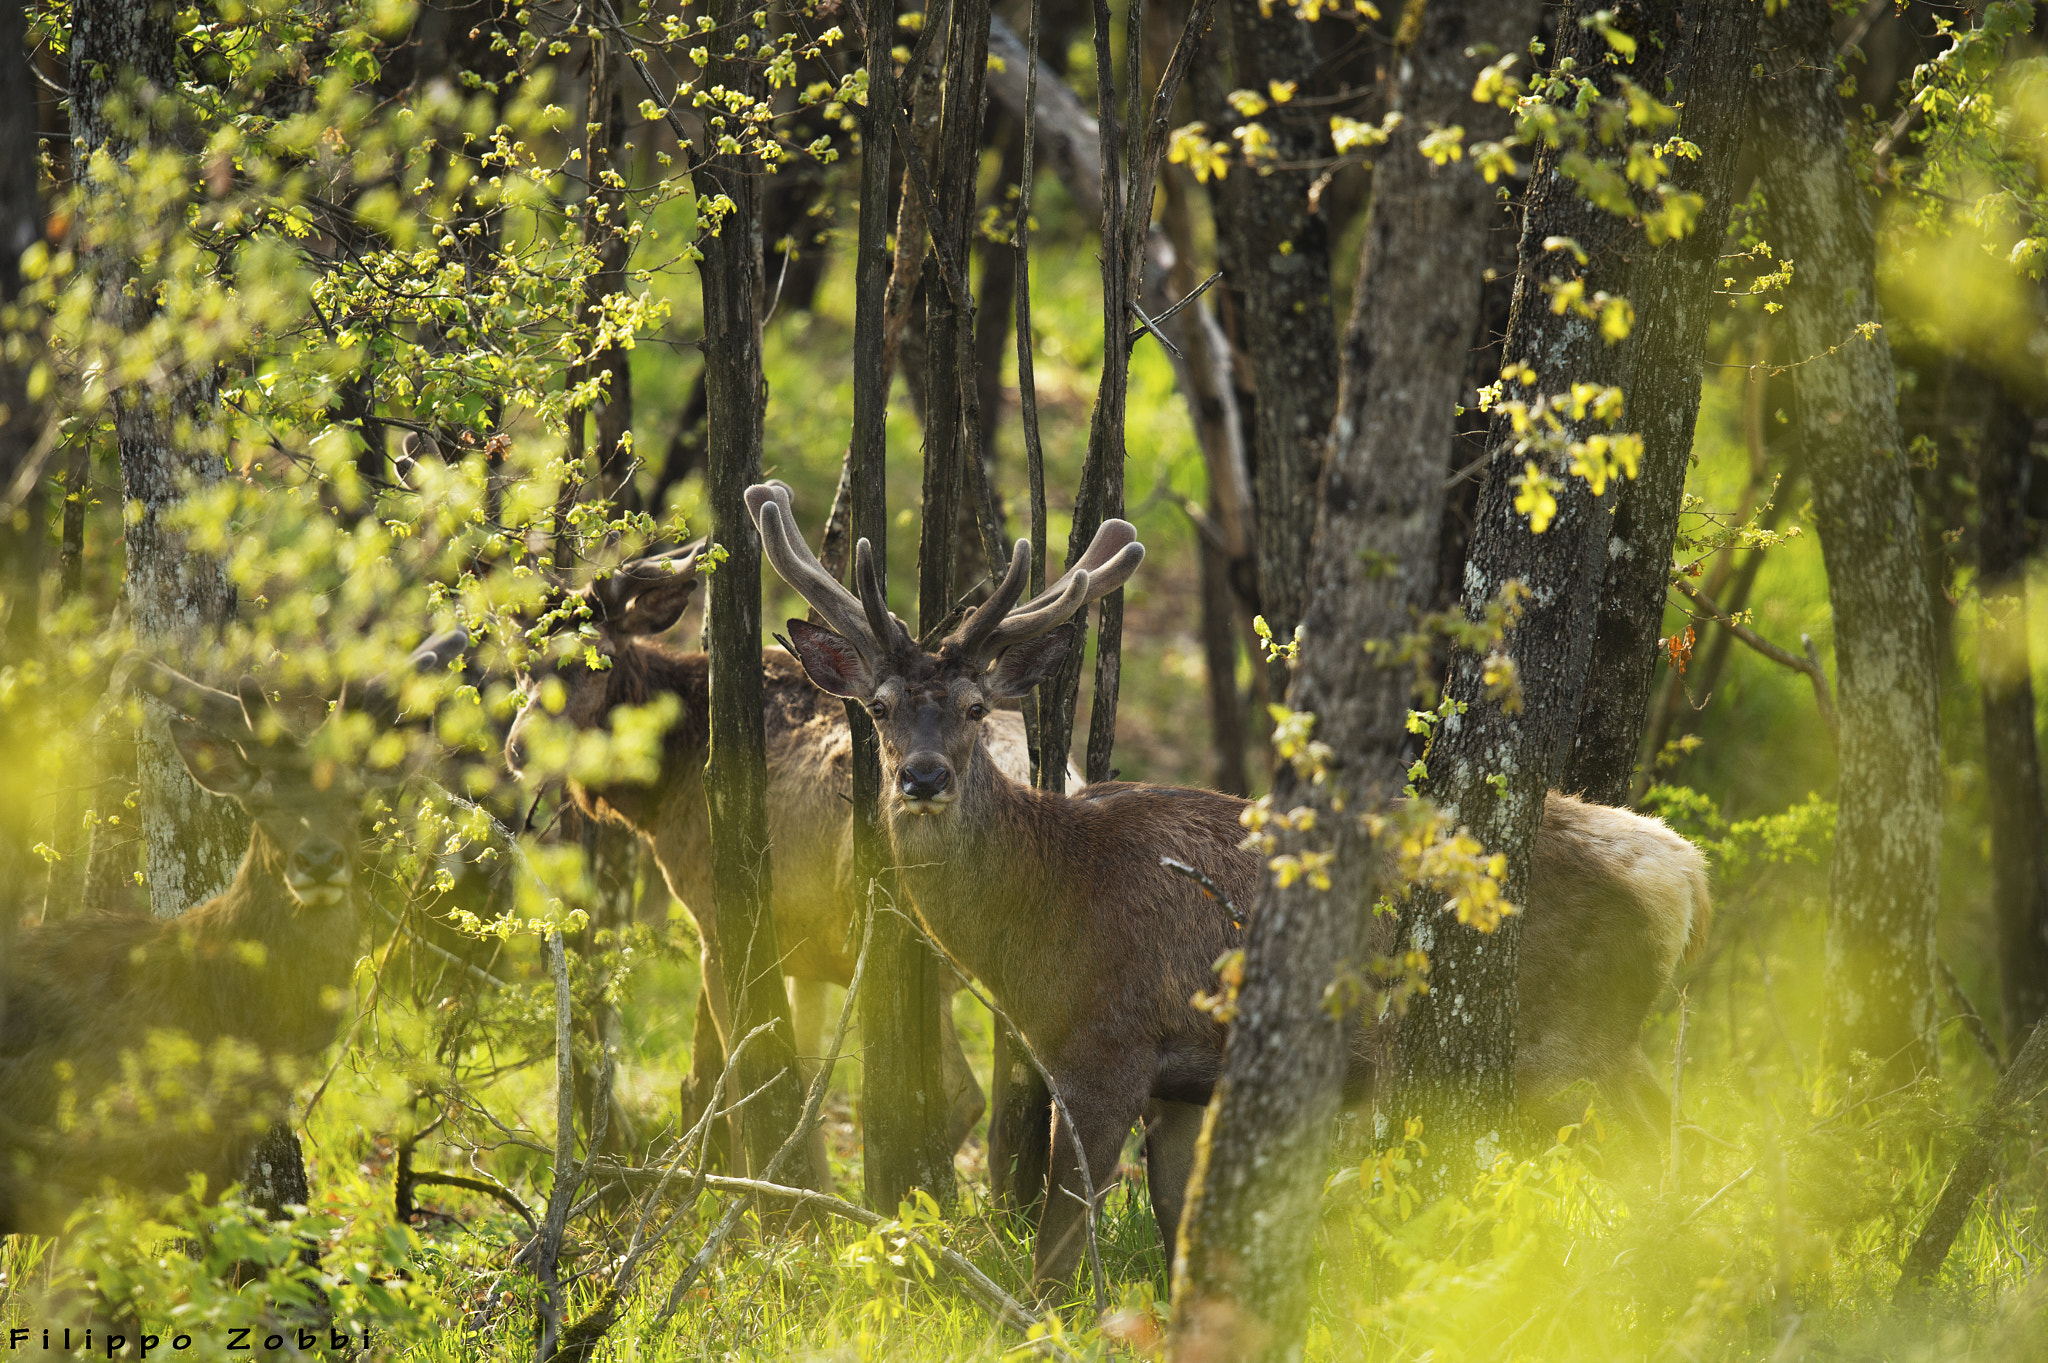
(1492, 766)
(23, 534)
(1241, 1283)
(1101, 494)
(2012, 771)
(736, 773)
(1694, 55)
(1884, 887)
(1275, 252)
(903, 1103)
(175, 597)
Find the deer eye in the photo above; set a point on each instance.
(977, 711)
(878, 709)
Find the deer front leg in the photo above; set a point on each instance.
(1105, 1093)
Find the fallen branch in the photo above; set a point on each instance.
(2020, 1085)
(1004, 1307)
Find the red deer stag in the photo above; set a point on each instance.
(810, 754)
(1060, 905)
(241, 987)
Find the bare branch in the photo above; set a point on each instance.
(1823, 694)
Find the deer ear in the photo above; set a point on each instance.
(1025, 665)
(216, 764)
(655, 609)
(833, 665)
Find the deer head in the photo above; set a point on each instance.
(928, 706)
(302, 804)
(635, 601)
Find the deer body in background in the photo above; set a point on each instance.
(145, 1049)
(1060, 905)
(810, 755)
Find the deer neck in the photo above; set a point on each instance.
(980, 874)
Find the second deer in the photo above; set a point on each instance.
(810, 754)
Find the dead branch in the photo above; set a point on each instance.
(1973, 1021)
(2019, 1086)
(1823, 695)
(790, 1144)
(567, 1175)
(1004, 1307)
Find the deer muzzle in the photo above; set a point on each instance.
(925, 783)
(317, 872)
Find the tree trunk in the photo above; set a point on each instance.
(903, 1105)
(1884, 886)
(22, 536)
(1241, 1283)
(1491, 766)
(1694, 55)
(2012, 771)
(192, 841)
(1275, 251)
(736, 775)
(1101, 494)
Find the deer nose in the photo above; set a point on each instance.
(924, 778)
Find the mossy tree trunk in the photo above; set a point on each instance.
(123, 66)
(1884, 884)
(1274, 248)
(1241, 1283)
(1695, 56)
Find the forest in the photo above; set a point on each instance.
(1186, 679)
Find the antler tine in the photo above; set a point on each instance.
(257, 711)
(793, 561)
(977, 628)
(439, 651)
(614, 591)
(874, 602)
(1081, 588)
(214, 710)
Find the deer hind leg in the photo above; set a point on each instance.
(1171, 1130)
(1105, 1092)
(964, 1100)
(807, 1015)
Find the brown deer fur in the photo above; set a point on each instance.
(1061, 906)
(810, 780)
(91, 1083)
